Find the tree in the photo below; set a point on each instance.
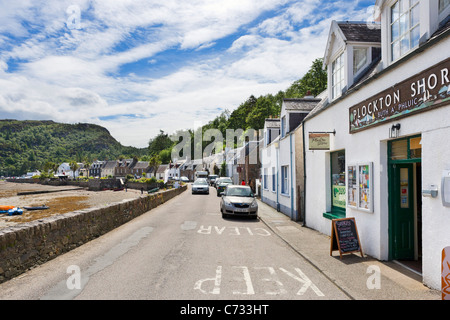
(74, 167)
(161, 142)
(314, 81)
(154, 163)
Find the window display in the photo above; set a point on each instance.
(360, 187)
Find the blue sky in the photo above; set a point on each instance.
(138, 66)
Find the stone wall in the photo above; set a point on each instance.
(28, 245)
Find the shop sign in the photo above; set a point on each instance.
(422, 92)
(319, 141)
(339, 196)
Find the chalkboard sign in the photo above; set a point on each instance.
(344, 236)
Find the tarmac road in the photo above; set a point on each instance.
(182, 250)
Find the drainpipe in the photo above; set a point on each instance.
(292, 180)
(278, 177)
(304, 175)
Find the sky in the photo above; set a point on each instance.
(140, 66)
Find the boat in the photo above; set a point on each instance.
(44, 207)
(12, 212)
(6, 208)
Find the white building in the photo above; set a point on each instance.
(282, 157)
(64, 170)
(390, 114)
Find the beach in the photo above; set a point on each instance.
(59, 199)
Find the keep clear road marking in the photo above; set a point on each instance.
(233, 231)
(212, 286)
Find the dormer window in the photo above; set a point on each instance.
(359, 59)
(337, 76)
(405, 27)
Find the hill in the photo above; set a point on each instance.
(28, 145)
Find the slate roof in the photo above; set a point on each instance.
(272, 123)
(361, 31)
(303, 104)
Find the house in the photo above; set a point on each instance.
(385, 162)
(282, 157)
(95, 170)
(64, 170)
(160, 172)
(123, 168)
(109, 168)
(139, 168)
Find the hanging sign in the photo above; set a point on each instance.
(344, 237)
(422, 92)
(319, 141)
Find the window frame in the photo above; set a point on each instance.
(285, 180)
(337, 93)
(407, 33)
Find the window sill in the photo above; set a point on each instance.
(333, 215)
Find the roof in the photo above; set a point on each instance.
(272, 123)
(360, 31)
(110, 164)
(141, 165)
(162, 168)
(303, 104)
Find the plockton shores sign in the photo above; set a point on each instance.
(422, 92)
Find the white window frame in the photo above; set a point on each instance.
(340, 84)
(285, 180)
(401, 34)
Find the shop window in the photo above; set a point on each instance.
(405, 27)
(338, 185)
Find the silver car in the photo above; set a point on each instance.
(200, 186)
(238, 201)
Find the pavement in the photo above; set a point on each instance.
(360, 278)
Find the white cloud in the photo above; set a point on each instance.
(73, 75)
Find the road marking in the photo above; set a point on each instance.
(233, 231)
(189, 225)
(244, 274)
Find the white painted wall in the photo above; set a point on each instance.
(371, 145)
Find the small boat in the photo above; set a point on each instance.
(44, 207)
(12, 212)
(6, 208)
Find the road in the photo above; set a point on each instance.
(181, 250)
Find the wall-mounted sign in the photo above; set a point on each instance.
(319, 141)
(422, 92)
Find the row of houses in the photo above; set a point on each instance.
(374, 145)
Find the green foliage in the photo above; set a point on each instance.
(43, 145)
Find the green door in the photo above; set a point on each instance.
(402, 211)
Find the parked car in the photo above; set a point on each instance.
(200, 186)
(222, 184)
(184, 179)
(218, 180)
(239, 201)
(212, 179)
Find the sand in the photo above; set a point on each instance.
(62, 201)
